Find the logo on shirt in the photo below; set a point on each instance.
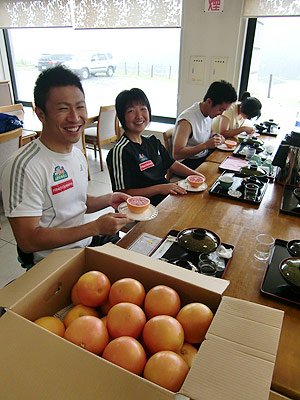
(61, 187)
(142, 157)
(59, 173)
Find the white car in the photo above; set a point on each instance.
(86, 64)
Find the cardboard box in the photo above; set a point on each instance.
(234, 362)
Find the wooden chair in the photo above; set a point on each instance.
(102, 129)
(9, 142)
(167, 135)
(18, 111)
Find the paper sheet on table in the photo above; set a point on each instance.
(233, 163)
(144, 244)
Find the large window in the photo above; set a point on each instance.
(108, 61)
(275, 69)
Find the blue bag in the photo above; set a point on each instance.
(9, 123)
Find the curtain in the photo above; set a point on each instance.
(34, 13)
(90, 13)
(271, 8)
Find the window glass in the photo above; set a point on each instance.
(124, 58)
(275, 69)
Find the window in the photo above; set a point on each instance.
(108, 61)
(275, 69)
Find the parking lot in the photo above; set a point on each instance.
(102, 90)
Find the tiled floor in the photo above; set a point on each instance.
(98, 185)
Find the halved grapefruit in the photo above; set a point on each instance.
(137, 204)
(195, 180)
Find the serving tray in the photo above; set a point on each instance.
(239, 148)
(273, 284)
(234, 164)
(172, 250)
(217, 190)
(289, 203)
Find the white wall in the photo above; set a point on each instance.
(210, 34)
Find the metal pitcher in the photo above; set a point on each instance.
(288, 159)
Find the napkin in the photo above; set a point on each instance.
(224, 252)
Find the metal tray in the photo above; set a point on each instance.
(217, 190)
(175, 251)
(289, 203)
(273, 284)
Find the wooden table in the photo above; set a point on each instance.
(238, 223)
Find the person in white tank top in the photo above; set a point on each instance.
(193, 138)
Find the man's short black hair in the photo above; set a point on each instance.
(53, 77)
(221, 92)
(127, 99)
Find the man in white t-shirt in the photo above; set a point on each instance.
(44, 183)
(193, 137)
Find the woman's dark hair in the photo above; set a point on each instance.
(53, 77)
(127, 99)
(221, 92)
(250, 106)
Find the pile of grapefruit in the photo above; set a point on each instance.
(148, 333)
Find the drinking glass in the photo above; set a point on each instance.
(249, 152)
(264, 246)
(251, 191)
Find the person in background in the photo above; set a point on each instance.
(138, 164)
(231, 122)
(44, 184)
(193, 137)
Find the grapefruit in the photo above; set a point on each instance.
(137, 204)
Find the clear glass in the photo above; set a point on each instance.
(251, 191)
(264, 246)
(144, 58)
(274, 71)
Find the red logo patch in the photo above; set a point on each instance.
(146, 164)
(61, 187)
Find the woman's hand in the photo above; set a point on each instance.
(171, 188)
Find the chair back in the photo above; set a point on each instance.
(13, 109)
(167, 135)
(108, 125)
(9, 142)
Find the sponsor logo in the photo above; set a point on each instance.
(59, 173)
(142, 157)
(61, 187)
(146, 164)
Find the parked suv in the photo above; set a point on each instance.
(52, 60)
(86, 64)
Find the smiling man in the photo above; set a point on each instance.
(193, 137)
(45, 182)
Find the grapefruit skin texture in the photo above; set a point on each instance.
(88, 332)
(93, 288)
(163, 333)
(127, 290)
(162, 300)
(126, 352)
(166, 369)
(195, 319)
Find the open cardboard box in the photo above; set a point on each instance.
(234, 362)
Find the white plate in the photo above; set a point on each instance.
(225, 148)
(185, 185)
(150, 213)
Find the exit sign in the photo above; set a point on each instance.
(214, 6)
